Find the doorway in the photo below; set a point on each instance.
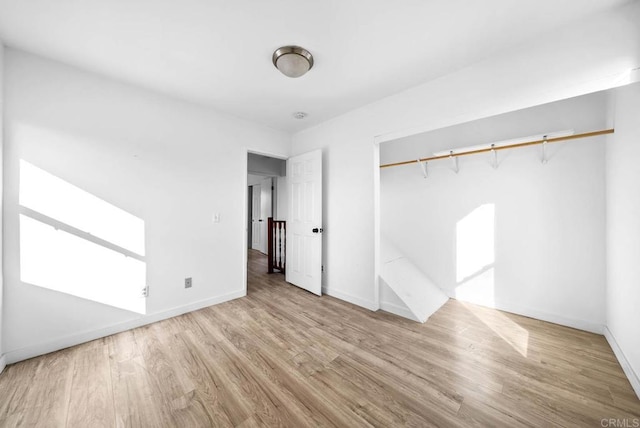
(276, 189)
(266, 202)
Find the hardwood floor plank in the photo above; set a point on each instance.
(276, 407)
(625, 399)
(123, 346)
(135, 402)
(197, 409)
(573, 406)
(252, 422)
(229, 394)
(47, 402)
(478, 413)
(167, 378)
(370, 400)
(91, 400)
(15, 382)
(208, 395)
(435, 405)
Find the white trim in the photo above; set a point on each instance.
(245, 227)
(517, 309)
(3, 363)
(624, 363)
(398, 310)
(76, 339)
(367, 304)
(376, 222)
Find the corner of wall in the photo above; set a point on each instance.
(634, 379)
(398, 310)
(2, 359)
(623, 208)
(358, 301)
(18, 355)
(525, 311)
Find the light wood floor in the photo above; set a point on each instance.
(283, 357)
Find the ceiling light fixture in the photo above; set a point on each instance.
(299, 115)
(292, 61)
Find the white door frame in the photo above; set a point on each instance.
(245, 203)
(256, 193)
(266, 187)
(376, 222)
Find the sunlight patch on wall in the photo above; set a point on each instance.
(479, 289)
(475, 242)
(75, 243)
(55, 198)
(63, 262)
(475, 256)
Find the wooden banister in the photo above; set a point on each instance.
(277, 230)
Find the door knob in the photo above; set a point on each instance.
(316, 230)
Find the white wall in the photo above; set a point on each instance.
(171, 163)
(282, 198)
(266, 211)
(2, 360)
(266, 166)
(623, 232)
(280, 184)
(578, 59)
(542, 251)
(261, 166)
(253, 179)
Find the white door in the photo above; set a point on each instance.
(304, 223)
(265, 212)
(256, 236)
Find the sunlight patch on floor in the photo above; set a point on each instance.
(512, 333)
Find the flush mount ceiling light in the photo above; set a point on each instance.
(292, 61)
(299, 115)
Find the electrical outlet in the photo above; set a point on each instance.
(188, 282)
(145, 292)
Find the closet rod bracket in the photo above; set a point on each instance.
(494, 158)
(454, 160)
(423, 168)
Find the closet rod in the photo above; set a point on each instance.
(511, 146)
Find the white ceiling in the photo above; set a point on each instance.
(218, 52)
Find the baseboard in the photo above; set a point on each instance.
(624, 363)
(3, 363)
(367, 304)
(87, 336)
(398, 310)
(517, 309)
